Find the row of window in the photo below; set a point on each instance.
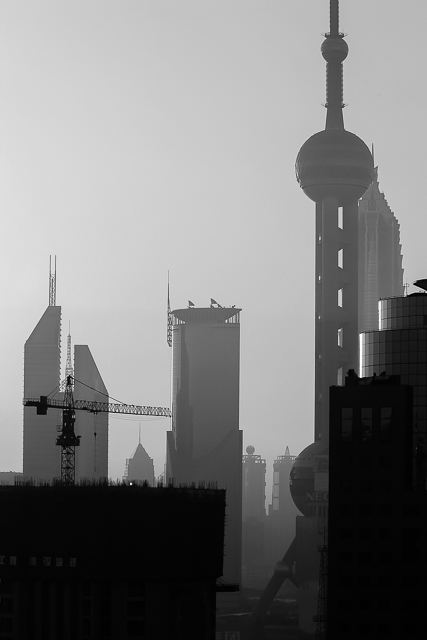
(406, 556)
(405, 580)
(368, 427)
(396, 335)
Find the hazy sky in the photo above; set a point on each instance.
(138, 137)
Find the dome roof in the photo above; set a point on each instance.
(334, 163)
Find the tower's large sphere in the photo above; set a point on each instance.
(334, 163)
(313, 459)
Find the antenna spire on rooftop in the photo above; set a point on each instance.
(69, 370)
(52, 283)
(169, 321)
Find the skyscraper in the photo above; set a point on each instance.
(42, 377)
(253, 518)
(92, 454)
(42, 370)
(205, 444)
(399, 347)
(139, 467)
(380, 255)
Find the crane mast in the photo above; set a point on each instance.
(67, 439)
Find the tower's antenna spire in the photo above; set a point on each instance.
(169, 325)
(334, 18)
(69, 371)
(52, 283)
(334, 50)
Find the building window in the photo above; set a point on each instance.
(341, 258)
(340, 377)
(340, 336)
(385, 425)
(340, 297)
(366, 420)
(341, 217)
(347, 424)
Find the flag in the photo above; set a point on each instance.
(213, 301)
(190, 304)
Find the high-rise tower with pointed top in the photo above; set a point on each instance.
(334, 168)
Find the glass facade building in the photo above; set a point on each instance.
(400, 348)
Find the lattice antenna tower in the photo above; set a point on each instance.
(69, 370)
(52, 283)
(169, 325)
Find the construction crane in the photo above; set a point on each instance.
(67, 438)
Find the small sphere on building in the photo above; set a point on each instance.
(334, 163)
(334, 49)
(250, 450)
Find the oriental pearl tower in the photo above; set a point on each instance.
(334, 169)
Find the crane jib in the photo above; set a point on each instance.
(44, 403)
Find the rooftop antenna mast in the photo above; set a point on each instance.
(69, 371)
(169, 325)
(52, 283)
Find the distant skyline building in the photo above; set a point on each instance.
(42, 377)
(140, 467)
(253, 518)
(42, 370)
(205, 444)
(380, 255)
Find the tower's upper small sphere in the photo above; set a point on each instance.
(334, 49)
(334, 163)
(250, 449)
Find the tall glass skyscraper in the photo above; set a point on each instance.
(399, 347)
(205, 444)
(380, 255)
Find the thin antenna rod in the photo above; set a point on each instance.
(334, 17)
(52, 284)
(169, 323)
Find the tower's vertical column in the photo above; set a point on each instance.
(329, 320)
(351, 288)
(318, 324)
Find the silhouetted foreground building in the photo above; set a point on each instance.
(70, 570)
(380, 255)
(377, 521)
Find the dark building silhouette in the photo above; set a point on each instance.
(205, 444)
(69, 570)
(380, 255)
(376, 584)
